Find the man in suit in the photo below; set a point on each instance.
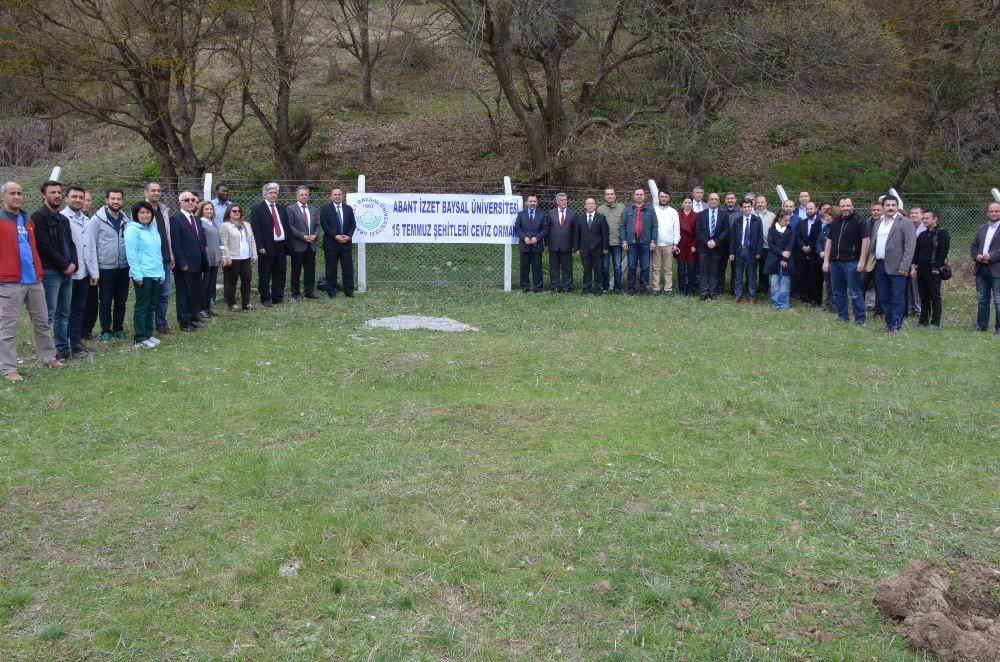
(712, 233)
(303, 228)
(985, 252)
(531, 228)
(338, 224)
(591, 243)
(269, 222)
(187, 238)
(893, 240)
(698, 200)
(638, 229)
(562, 226)
(767, 220)
(746, 247)
(161, 216)
(805, 250)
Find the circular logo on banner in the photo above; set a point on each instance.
(371, 215)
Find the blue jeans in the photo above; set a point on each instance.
(687, 277)
(613, 256)
(892, 292)
(781, 285)
(77, 309)
(844, 276)
(163, 299)
(58, 297)
(987, 284)
(746, 268)
(638, 256)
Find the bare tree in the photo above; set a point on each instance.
(141, 65)
(364, 32)
(275, 40)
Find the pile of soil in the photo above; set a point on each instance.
(951, 609)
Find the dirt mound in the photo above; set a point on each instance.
(951, 609)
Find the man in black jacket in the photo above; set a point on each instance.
(807, 230)
(746, 249)
(54, 241)
(338, 224)
(269, 222)
(531, 228)
(590, 242)
(842, 254)
(712, 233)
(188, 240)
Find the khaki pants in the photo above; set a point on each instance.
(12, 297)
(663, 257)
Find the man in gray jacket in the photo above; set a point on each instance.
(303, 224)
(893, 239)
(107, 264)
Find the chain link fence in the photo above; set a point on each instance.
(482, 265)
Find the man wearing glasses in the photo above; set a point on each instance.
(190, 256)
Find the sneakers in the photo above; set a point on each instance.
(234, 308)
(106, 336)
(145, 344)
(119, 335)
(154, 341)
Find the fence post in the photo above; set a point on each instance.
(508, 258)
(996, 194)
(208, 188)
(55, 174)
(362, 250)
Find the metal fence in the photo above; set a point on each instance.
(482, 265)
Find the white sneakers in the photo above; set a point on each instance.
(147, 344)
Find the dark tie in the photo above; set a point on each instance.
(277, 224)
(194, 226)
(340, 220)
(711, 223)
(590, 218)
(305, 214)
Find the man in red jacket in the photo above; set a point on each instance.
(20, 284)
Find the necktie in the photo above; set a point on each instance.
(340, 219)
(562, 217)
(277, 224)
(531, 219)
(711, 223)
(746, 228)
(590, 218)
(194, 226)
(638, 222)
(305, 214)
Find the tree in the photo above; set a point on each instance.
(364, 30)
(146, 66)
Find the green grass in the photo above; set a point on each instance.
(743, 478)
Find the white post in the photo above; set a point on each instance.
(896, 195)
(208, 186)
(780, 190)
(996, 194)
(654, 192)
(362, 252)
(55, 174)
(508, 257)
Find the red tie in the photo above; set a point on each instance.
(305, 212)
(193, 225)
(277, 225)
(638, 223)
(562, 217)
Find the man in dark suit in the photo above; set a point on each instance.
(746, 247)
(985, 252)
(303, 228)
(562, 224)
(712, 233)
(269, 222)
(187, 238)
(805, 227)
(591, 243)
(338, 224)
(531, 228)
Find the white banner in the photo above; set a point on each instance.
(434, 218)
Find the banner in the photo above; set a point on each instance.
(434, 218)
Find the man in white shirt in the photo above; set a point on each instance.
(667, 238)
(894, 242)
(81, 278)
(804, 199)
(766, 220)
(985, 252)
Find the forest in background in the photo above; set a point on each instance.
(842, 95)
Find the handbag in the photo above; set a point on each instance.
(945, 270)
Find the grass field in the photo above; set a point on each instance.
(587, 479)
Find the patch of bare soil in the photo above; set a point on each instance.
(951, 609)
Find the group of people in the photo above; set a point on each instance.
(885, 261)
(71, 268)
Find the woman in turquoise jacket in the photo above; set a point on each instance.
(145, 266)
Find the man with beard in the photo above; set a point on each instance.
(107, 264)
